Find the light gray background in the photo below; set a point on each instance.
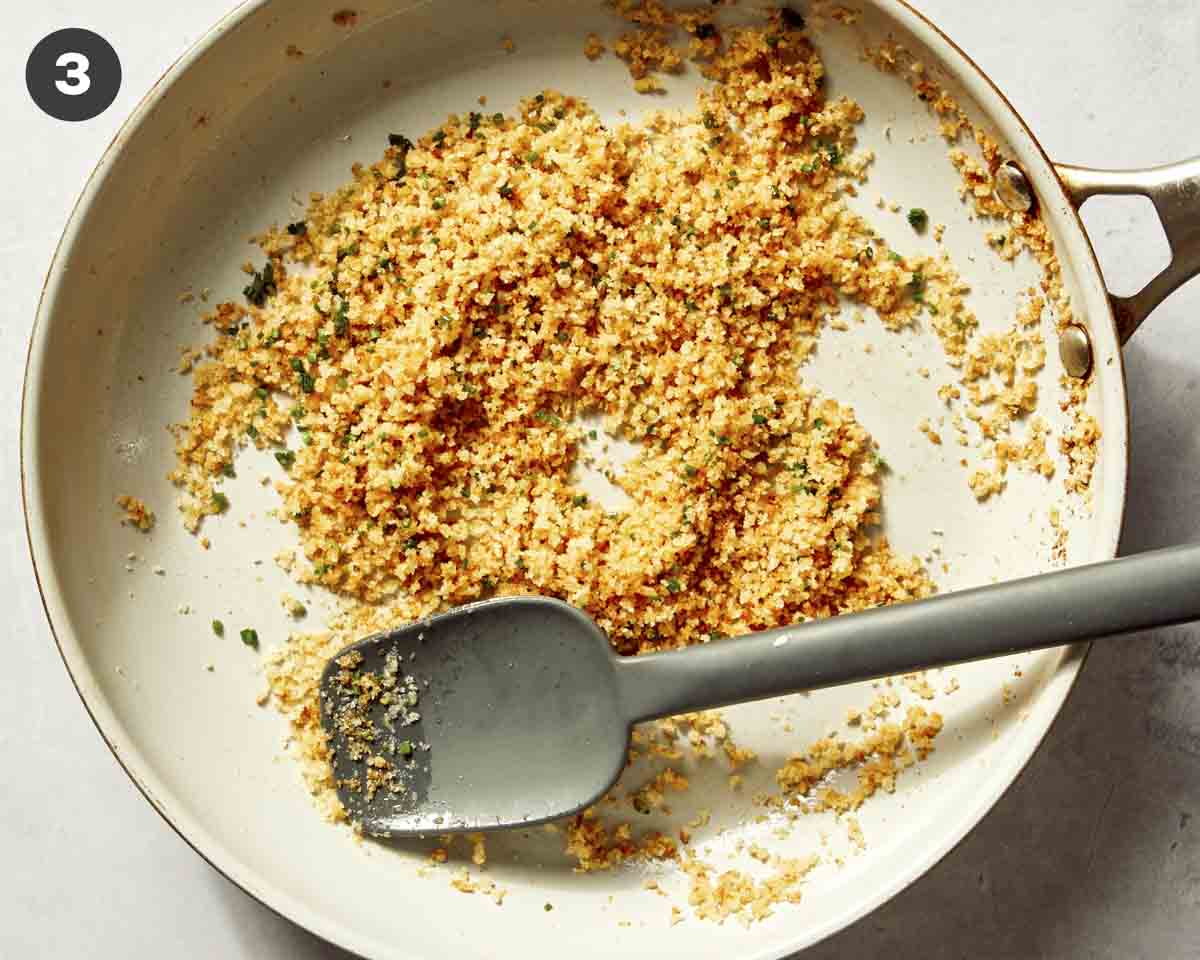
(1094, 853)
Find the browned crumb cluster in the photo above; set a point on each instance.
(878, 758)
(137, 514)
(735, 893)
(470, 296)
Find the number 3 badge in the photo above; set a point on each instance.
(73, 74)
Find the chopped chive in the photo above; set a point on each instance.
(916, 286)
(261, 285)
(341, 320)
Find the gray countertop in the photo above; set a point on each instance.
(1095, 852)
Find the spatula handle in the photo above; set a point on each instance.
(1084, 603)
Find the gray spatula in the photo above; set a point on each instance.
(515, 711)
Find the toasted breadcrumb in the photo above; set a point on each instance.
(737, 894)
(855, 834)
(137, 514)
(292, 607)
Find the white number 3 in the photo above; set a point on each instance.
(77, 80)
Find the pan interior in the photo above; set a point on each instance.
(239, 136)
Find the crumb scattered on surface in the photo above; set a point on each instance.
(137, 514)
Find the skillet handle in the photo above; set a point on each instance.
(1174, 189)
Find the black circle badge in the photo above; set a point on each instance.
(73, 74)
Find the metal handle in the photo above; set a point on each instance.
(1084, 603)
(1174, 190)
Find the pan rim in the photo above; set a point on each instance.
(135, 766)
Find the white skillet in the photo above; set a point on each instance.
(220, 147)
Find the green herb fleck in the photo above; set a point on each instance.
(918, 219)
(581, 500)
(261, 285)
(218, 628)
(297, 229)
(341, 321)
(674, 586)
(286, 458)
(220, 501)
(405, 748)
(916, 286)
(250, 638)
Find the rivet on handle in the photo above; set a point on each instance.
(1013, 189)
(1074, 346)
(1075, 351)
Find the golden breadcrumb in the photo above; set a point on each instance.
(137, 514)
